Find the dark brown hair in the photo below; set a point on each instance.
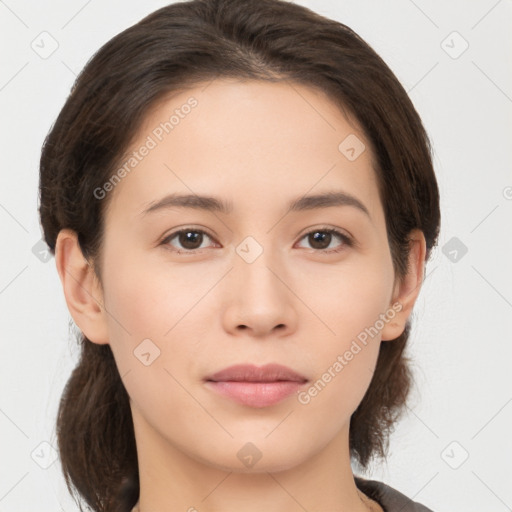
(178, 46)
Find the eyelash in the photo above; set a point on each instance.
(347, 241)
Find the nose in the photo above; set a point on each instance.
(261, 303)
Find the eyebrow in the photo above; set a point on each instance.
(213, 204)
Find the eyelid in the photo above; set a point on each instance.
(169, 236)
(329, 228)
(347, 239)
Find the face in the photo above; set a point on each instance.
(272, 278)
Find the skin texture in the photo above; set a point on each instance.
(258, 145)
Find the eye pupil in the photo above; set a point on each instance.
(320, 236)
(188, 239)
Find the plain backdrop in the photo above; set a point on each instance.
(452, 451)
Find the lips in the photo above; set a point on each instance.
(256, 386)
(251, 373)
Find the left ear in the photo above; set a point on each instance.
(407, 290)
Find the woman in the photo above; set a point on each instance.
(241, 201)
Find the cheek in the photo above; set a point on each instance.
(351, 305)
(155, 314)
(346, 353)
(338, 390)
(154, 334)
(150, 298)
(349, 297)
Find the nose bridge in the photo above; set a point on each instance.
(256, 264)
(259, 298)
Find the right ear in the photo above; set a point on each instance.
(82, 290)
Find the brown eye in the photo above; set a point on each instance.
(190, 239)
(186, 240)
(321, 239)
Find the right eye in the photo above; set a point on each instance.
(190, 240)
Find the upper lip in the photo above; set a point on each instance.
(252, 373)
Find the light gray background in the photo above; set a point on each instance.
(461, 344)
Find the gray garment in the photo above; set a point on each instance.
(388, 498)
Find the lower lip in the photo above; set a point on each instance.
(256, 394)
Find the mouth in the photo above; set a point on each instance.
(256, 386)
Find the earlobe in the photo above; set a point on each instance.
(406, 292)
(81, 288)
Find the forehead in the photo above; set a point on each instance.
(253, 143)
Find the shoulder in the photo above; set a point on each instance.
(390, 499)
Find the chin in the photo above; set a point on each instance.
(249, 459)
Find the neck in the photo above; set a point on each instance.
(172, 480)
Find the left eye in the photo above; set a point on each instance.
(320, 239)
